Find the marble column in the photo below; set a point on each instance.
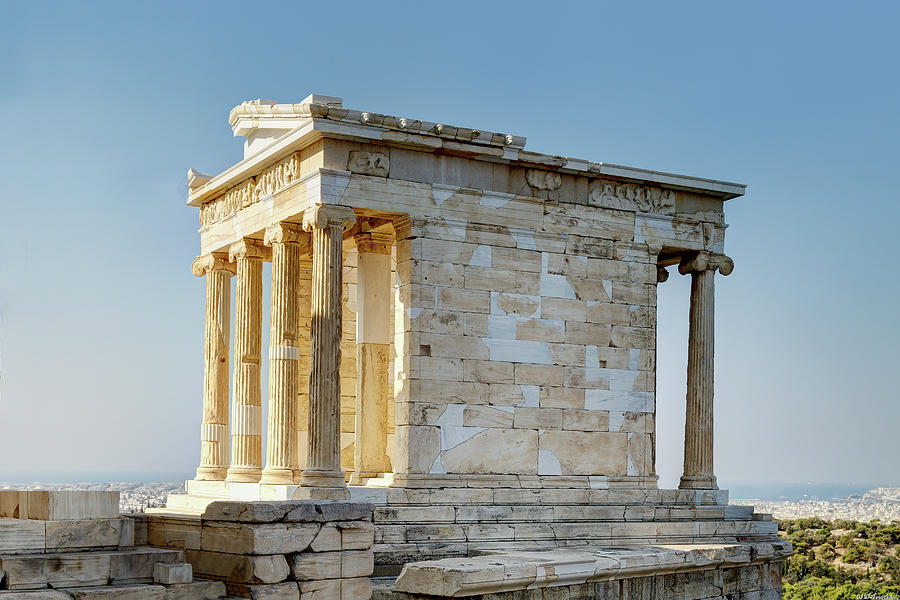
(323, 457)
(246, 408)
(373, 347)
(288, 243)
(698, 427)
(214, 427)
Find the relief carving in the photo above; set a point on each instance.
(543, 180)
(369, 163)
(250, 191)
(630, 196)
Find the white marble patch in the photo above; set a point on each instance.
(618, 401)
(502, 327)
(442, 193)
(531, 395)
(213, 432)
(598, 482)
(454, 436)
(519, 351)
(247, 420)
(616, 418)
(495, 199)
(452, 416)
(591, 357)
(524, 238)
(437, 466)
(481, 257)
(634, 358)
(548, 464)
(414, 312)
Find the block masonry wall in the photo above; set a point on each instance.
(530, 352)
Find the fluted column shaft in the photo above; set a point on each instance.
(246, 426)
(214, 426)
(373, 344)
(323, 459)
(698, 426)
(288, 243)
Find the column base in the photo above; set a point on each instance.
(326, 479)
(698, 482)
(361, 477)
(243, 475)
(211, 474)
(280, 476)
(322, 493)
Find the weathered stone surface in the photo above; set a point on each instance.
(136, 565)
(270, 538)
(35, 595)
(55, 570)
(18, 536)
(59, 504)
(294, 511)
(196, 590)
(279, 591)
(64, 536)
(333, 565)
(337, 589)
(120, 592)
(168, 573)
(168, 531)
(238, 568)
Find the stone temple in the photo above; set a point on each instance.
(461, 372)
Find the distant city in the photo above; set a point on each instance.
(878, 503)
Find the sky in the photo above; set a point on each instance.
(106, 105)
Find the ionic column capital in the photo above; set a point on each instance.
(285, 233)
(321, 216)
(706, 261)
(247, 248)
(214, 261)
(374, 242)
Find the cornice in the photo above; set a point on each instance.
(315, 120)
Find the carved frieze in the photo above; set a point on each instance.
(543, 180)
(631, 196)
(250, 191)
(369, 163)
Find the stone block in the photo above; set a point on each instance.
(18, 536)
(136, 565)
(333, 565)
(494, 450)
(174, 532)
(238, 568)
(169, 573)
(288, 590)
(120, 592)
(48, 505)
(587, 453)
(196, 590)
(253, 538)
(337, 589)
(35, 595)
(74, 535)
(55, 570)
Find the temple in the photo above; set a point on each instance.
(463, 334)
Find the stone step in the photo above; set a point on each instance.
(594, 530)
(196, 590)
(21, 536)
(77, 569)
(559, 513)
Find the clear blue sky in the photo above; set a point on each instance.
(106, 105)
